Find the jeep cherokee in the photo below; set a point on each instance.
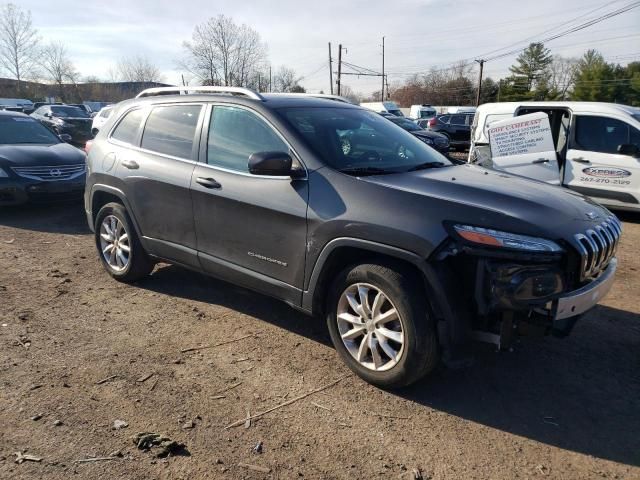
(408, 256)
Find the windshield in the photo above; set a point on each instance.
(636, 116)
(397, 113)
(405, 123)
(361, 141)
(427, 113)
(17, 130)
(69, 112)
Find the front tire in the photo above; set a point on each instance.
(380, 325)
(119, 247)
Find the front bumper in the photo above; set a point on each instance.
(21, 191)
(579, 301)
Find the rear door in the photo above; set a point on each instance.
(155, 167)
(594, 166)
(524, 146)
(251, 229)
(459, 128)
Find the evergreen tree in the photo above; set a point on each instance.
(532, 64)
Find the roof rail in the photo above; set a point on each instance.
(151, 92)
(326, 96)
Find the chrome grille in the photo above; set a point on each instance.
(597, 246)
(51, 173)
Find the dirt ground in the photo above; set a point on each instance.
(80, 351)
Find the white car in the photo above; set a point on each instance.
(100, 119)
(593, 148)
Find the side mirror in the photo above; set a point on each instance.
(629, 149)
(65, 137)
(48, 114)
(270, 163)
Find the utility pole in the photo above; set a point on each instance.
(481, 62)
(386, 81)
(330, 69)
(339, 66)
(383, 77)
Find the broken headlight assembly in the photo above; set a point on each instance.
(486, 237)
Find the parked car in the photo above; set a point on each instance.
(434, 140)
(100, 119)
(35, 164)
(16, 103)
(36, 105)
(383, 107)
(12, 108)
(457, 128)
(406, 255)
(66, 119)
(596, 148)
(422, 112)
(82, 106)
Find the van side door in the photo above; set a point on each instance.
(595, 168)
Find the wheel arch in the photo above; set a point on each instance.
(103, 194)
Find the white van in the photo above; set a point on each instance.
(422, 112)
(595, 148)
(383, 107)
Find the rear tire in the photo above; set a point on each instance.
(119, 247)
(387, 349)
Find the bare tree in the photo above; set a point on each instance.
(223, 53)
(137, 69)
(285, 80)
(562, 74)
(19, 42)
(57, 64)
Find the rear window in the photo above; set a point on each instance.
(127, 129)
(69, 112)
(170, 130)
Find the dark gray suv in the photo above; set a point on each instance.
(409, 257)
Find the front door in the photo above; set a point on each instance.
(594, 166)
(250, 229)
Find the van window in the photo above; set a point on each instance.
(170, 130)
(235, 134)
(127, 129)
(603, 134)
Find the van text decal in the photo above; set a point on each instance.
(606, 172)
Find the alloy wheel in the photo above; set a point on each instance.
(370, 326)
(114, 243)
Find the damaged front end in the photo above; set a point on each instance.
(504, 285)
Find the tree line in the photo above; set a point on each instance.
(536, 75)
(220, 52)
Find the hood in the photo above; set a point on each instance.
(37, 155)
(483, 197)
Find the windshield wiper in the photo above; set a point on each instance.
(424, 166)
(365, 170)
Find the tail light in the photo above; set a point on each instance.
(432, 122)
(87, 146)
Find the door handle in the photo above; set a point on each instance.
(541, 160)
(580, 160)
(130, 164)
(208, 182)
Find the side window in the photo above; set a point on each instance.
(444, 119)
(235, 134)
(457, 120)
(170, 130)
(601, 134)
(127, 129)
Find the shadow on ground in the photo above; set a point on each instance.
(578, 394)
(67, 218)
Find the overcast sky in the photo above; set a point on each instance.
(419, 34)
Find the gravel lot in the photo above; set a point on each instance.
(81, 351)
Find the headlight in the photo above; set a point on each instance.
(495, 238)
(3, 174)
(427, 140)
